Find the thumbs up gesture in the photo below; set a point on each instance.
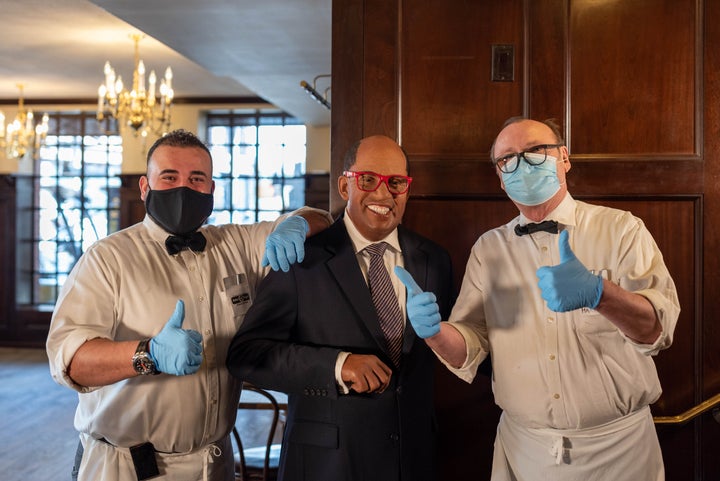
(569, 285)
(422, 309)
(176, 350)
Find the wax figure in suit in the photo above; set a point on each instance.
(315, 334)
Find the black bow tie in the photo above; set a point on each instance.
(547, 226)
(195, 241)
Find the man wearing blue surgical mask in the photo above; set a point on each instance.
(142, 325)
(571, 301)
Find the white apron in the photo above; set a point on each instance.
(626, 449)
(104, 462)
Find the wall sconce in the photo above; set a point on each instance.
(312, 90)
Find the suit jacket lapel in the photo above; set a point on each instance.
(343, 266)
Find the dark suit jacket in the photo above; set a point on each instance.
(291, 338)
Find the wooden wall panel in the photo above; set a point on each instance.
(380, 73)
(132, 208)
(710, 333)
(632, 81)
(635, 87)
(347, 71)
(546, 85)
(450, 105)
(7, 253)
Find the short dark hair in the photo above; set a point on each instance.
(351, 156)
(178, 138)
(552, 124)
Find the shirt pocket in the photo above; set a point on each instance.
(237, 290)
(592, 322)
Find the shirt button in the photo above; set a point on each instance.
(552, 357)
(192, 268)
(544, 248)
(208, 332)
(556, 396)
(551, 320)
(201, 298)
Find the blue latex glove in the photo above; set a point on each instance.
(175, 350)
(286, 244)
(422, 309)
(569, 285)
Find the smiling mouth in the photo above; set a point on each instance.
(379, 209)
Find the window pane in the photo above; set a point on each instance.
(75, 201)
(244, 161)
(265, 157)
(244, 194)
(223, 194)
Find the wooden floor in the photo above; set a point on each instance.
(36, 419)
(37, 437)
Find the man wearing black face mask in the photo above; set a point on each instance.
(143, 322)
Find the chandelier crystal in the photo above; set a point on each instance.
(138, 108)
(22, 134)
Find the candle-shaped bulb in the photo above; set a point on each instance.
(141, 77)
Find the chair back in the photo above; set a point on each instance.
(259, 463)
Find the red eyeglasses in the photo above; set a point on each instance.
(370, 181)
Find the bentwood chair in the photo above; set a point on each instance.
(259, 463)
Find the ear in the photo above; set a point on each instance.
(144, 187)
(343, 187)
(565, 157)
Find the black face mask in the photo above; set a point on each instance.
(179, 211)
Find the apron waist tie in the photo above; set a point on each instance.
(210, 452)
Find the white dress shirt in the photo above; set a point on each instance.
(569, 370)
(125, 287)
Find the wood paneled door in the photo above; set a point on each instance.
(636, 88)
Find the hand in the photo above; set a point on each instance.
(286, 244)
(175, 350)
(365, 373)
(423, 311)
(569, 285)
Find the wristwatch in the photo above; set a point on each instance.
(142, 362)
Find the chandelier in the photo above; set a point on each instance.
(138, 108)
(22, 134)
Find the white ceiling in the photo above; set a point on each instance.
(216, 48)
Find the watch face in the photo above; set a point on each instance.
(143, 364)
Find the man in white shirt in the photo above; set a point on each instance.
(164, 297)
(570, 310)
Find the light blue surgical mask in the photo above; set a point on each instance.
(532, 184)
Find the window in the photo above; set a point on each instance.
(72, 200)
(258, 165)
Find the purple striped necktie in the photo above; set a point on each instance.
(385, 300)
